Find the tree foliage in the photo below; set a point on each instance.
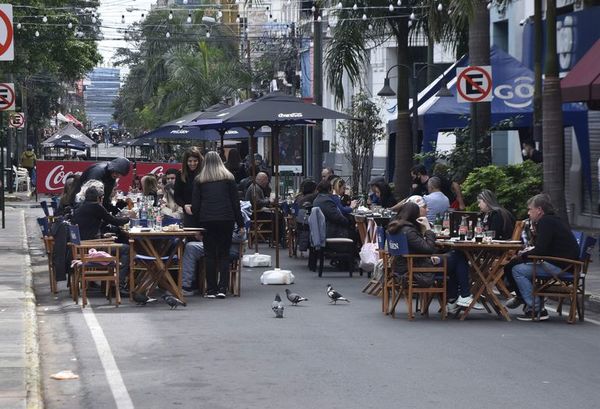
(174, 75)
(359, 137)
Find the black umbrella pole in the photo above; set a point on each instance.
(251, 153)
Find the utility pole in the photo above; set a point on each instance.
(317, 145)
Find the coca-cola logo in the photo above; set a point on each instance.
(56, 177)
(158, 171)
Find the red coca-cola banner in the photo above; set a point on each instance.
(51, 175)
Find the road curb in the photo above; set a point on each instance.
(33, 379)
(592, 302)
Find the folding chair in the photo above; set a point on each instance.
(94, 268)
(49, 247)
(395, 287)
(569, 283)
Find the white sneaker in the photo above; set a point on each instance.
(452, 307)
(466, 301)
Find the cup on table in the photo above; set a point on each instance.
(437, 229)
(488, 236)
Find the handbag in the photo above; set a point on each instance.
(369, 254)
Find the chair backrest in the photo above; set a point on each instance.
(397, 244)
(586, 245)
(74, 234)
(44, 206)
(516, 234)
(44, 226)
(54, 204)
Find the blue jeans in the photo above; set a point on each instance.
(193, 252)
(523, 274)
(459, 280)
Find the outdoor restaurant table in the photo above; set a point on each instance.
(487, 261)
(161, 244)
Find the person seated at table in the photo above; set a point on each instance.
(68, 196)
(495, 217)
(416, 199)
(150, 187)
(372, 197)
(327, 173)
(451, 189)
(337, 225)
(168, 205)
(184, 183)
(258, 192)
(92, 217)
(341, 199)
(553, 238)
(308, 192)
(384, 195)
(437, 202)
(235, 166)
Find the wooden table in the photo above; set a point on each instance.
(166, 249)
(487, 261)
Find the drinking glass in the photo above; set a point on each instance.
(489, 235)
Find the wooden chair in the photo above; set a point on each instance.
(261, 229)
(569, 283)
(49, 247)
(235, 272)
(89, 268)
(516, 235)
(395, 287)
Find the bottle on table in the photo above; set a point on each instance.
(479, 231)
(463, 228)
(470, 230)
(437, 225)
(446, 222)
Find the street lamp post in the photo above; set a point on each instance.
(387, 91)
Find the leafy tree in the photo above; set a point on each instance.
(359, 137)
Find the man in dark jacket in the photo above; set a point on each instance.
(107, 173)
(337, 224)
(90, 217)
(553, 238)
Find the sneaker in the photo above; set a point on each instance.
(221, 295)
(210, 296)
(466, 301)
(514, 302)
(188, 291)
(528, 316)
(452, 307)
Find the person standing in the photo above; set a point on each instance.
(235, 166)
(107, 173)
(28, 160)
(184, 184)
(216, 208)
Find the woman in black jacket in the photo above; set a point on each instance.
(216, 208)
(495, 217)
(235, 166)
(184, 184)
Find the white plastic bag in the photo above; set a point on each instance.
(277, 276)
(256, 260)
(368, 257)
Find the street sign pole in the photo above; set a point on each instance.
(3, 151)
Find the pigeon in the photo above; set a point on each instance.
(142, 299)
(294, 298)
(173, 302)
(277, 307)
(334, 295)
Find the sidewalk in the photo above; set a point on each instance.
(20, 384)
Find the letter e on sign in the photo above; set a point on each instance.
(7, 43)
(474, 84)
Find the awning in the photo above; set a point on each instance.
(582, 84)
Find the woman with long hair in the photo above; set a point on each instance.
(150, 187)
(495, 217)
(341, 199)
(191, 163)
(383, 192)
(216, 208)
(169, 207)
(68, 195)
(235, 166)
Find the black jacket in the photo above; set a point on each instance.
(418, 243)
(90, 216)
(337, 224)
(554, 238)
(255, 193)
(102, 172)
(216, 201)
(239, 173)
(183, 195)
(497, 221)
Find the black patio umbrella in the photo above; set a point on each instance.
(67, 142)
(275, 110)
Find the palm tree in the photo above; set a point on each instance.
(552, 124)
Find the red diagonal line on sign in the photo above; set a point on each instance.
(5, 101)
(474, 84)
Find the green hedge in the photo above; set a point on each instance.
(512, 184)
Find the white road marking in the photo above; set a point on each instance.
(113, 375)
(591, 321)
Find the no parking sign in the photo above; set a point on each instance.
(474, 84)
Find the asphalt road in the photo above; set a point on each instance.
(233, 353)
